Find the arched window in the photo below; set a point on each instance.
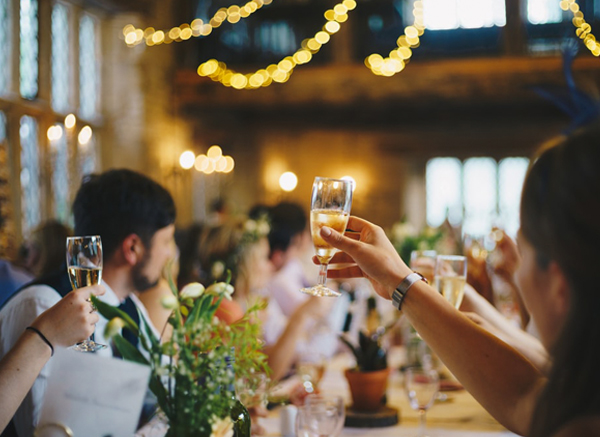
(60, 58)
(477, 194)
(28, 66)
(89, 66)
(5, 46)
(30, 174)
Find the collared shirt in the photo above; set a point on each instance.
(19, 313)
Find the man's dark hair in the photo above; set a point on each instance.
(287, 220)
(118, 203)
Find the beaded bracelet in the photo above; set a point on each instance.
(43, 337)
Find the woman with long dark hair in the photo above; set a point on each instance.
(558, 277)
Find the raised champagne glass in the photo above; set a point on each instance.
(84, 264)
(331, 200)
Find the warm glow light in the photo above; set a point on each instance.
(230, 164)
(221, 164)
(288, 181)
(187, 159)
(85, 135)
(214, 152)
(55, 132)
(210, 168)
(352, 181)
(201, 162)
(70, 121)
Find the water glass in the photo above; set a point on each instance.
(329, 402)
(422, 386)
(320, 418)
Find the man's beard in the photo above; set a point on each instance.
(141, 282)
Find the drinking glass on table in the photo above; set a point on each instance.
(422, 386)
(331, 403)
(451, 277)
(320, 419)
(331, 200)
(311, 368)
(84, 264)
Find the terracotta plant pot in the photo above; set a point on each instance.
(367, 388)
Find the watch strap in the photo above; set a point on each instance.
(400, 292)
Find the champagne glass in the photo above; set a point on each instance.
(84, 263)
(423, 261)
(331, 200)
(451, 277)
(422, 387)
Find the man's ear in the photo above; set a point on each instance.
(560, 292)
(133, 249)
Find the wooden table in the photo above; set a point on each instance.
(458, 416)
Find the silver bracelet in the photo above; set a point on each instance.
(400, 292)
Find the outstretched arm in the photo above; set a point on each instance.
(66, 323)
(501, 379)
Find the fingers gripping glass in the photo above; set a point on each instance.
(331, 200)
(84, 263)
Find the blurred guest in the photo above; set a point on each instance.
(134, 216)
(289, 239)
(219, 212)
(45, 251)
(241, 247)
(188, 244)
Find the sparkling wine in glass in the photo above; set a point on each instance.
(330, 206)
(84, 264)
(422, 387)
(451, 277)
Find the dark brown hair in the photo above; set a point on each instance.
(560, 217)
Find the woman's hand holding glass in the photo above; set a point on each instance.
(331, 200)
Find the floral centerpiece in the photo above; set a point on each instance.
(194, 372)
(405, 239)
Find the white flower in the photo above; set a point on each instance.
(169, 302)
(222, 427)
(192, 291)
(218, 268)
(220, 289)
(250, 226)
(263, 228)
(113, 327)
(402, 230)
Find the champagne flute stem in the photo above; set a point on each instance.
(422, 425)
(322, 280)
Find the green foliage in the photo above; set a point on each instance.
(192, 376)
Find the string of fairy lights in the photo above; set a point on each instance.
(583, 28)
(280, 72)
(387, 66)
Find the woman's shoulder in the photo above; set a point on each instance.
(580, 427)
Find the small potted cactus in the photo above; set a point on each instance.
(368, 380)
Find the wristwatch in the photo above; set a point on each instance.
(400, 292)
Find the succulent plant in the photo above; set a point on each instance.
(369, 354)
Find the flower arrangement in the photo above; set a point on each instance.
(194, 372)
(405, 239)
